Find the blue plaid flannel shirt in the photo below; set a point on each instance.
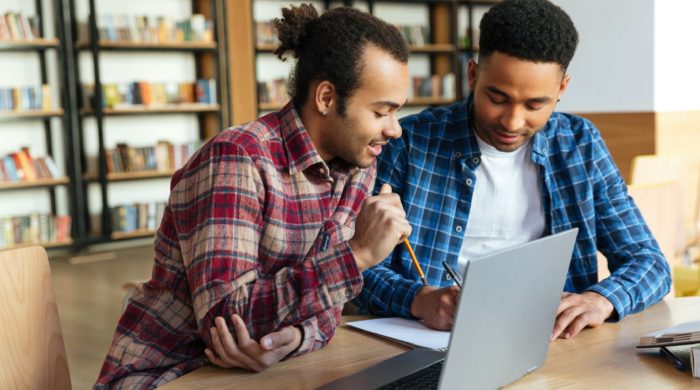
(432, 167)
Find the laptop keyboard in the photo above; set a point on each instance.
(425, 379)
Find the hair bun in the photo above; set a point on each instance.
(292, 28)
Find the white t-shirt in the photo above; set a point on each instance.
(506, 205)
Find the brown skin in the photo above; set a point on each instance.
(513, 99)
(370, 121)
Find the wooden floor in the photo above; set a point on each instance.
(90, 296)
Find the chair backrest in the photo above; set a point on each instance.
(660, 209)
(32, 354)
(685, 170)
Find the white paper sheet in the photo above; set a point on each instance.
(405, 331)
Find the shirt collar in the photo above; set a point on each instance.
(301, 152)
(300, 149)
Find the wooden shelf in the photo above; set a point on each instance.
(47, 244)
(30, 114)
(266, 47)
(158, 109)
(132, 176)
(429, 101)
(270, 106)
(162, 46)
(4, 185)
(140, 233)
(432, 48)
(35, 44)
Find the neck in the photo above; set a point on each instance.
(315, 123)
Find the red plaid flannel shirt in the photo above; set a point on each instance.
(256, 224)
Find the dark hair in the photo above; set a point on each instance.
(533, 30)
(330, 47)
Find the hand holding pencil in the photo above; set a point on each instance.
(380, 225)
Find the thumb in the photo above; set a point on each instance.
(277, 339)
(386, 189)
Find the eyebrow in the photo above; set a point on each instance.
(540, 99)
(389, 103)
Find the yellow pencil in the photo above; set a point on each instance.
(415, 261)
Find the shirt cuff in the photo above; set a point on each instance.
(340, 274)
(308, 338)
(405, 291)
(616, 295)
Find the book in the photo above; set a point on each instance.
(683, 334)
(404, 331)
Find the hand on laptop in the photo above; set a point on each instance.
(247, 353)
(436, 306)
(380, 225)
(576, 311)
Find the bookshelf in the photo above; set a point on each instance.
(37, 204)
(181, 49)
(439, 53)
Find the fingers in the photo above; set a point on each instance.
(229, 352)
(386, 189)
(277, 339)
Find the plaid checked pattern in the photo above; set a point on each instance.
(256, 224)
(433, 167)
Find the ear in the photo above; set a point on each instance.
(564, 84)
(472, 69)
(324, 97)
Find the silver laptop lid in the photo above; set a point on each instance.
(506, 312)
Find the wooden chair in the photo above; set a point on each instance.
(660, 209)
(32, 354)
(685, 170)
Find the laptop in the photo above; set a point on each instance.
(502, 329)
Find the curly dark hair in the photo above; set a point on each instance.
(330, 47)
(533, 30)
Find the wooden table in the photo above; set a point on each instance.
(604, 357)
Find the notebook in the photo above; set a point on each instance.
(404, 331)
(506, 311)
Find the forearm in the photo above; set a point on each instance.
(288, 297)
(637, 283)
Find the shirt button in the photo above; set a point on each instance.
(469, 182)
(458, 154)
(475, 160)
(458, 229)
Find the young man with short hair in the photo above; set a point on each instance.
(269, 223)
(502, 168)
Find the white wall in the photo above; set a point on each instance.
(613, 68)
(677, 58)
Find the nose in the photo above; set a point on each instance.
(513, 118)
(392, 129)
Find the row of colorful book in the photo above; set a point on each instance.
(141, 93)
(273, 92)
(17, 27)
(25, 98)
(434, 86)
(163, 157)
(416, 35)
(151, 29)
(21, 166)
(34, 228)
(137, 216)
(265, 33)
